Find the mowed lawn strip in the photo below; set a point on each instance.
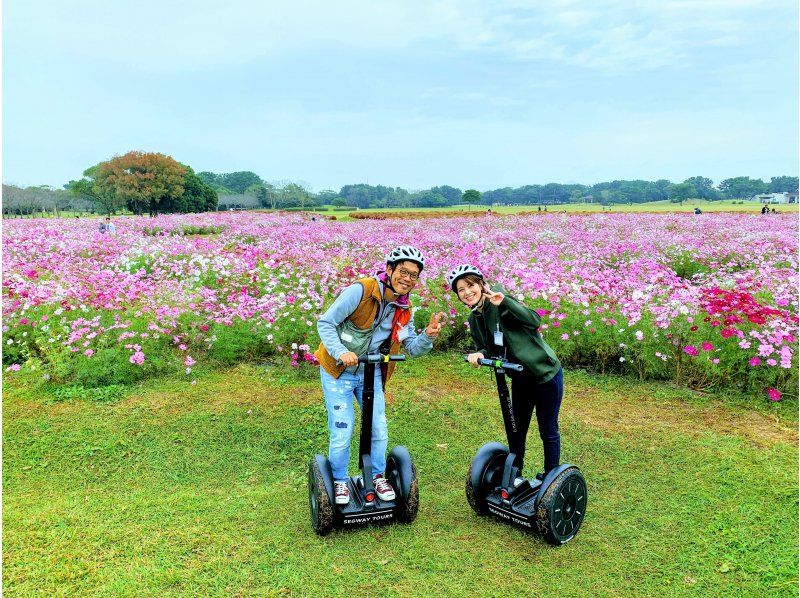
(179, 490)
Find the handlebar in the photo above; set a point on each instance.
(377, 358)
(498, 363)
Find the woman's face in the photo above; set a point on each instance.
(469, 293)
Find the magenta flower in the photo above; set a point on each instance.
(691, 350)
(754, 361)
(706, 346)
(774, 394)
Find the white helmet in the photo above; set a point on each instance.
(460, 272)
(405, 252)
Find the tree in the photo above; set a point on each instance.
(88, 189)
(429, 199)
(197, 195)
(782, 184)
(142, 180)
(704, 187)
(471, 196)
(295, 195)
(451, 195)
(741, 187)
(680, 192)
(238, 182)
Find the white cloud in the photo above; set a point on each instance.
(163, 36)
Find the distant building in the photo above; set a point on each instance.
(775, 198)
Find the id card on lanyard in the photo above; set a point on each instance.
(498, 336)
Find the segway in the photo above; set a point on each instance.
(364, 506)
(554, 506)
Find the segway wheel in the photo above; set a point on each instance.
(484, 475)
(402, 475)
(319, 503)
(562, 507)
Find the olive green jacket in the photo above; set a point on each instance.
(520, 328)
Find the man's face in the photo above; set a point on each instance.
(404, 276)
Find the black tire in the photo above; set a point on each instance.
(319, 503)
(407, 490)
(484, 475)
(562, 507)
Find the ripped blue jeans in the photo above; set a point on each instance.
(339, 393)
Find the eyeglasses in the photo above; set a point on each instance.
(408, 274)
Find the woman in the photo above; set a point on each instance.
(501, 327)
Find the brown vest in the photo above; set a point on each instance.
(363, 317)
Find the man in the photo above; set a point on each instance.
(107, 226)
(370, 316)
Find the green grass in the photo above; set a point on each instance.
(175, 489)
(654, 206)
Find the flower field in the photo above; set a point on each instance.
(710, 301)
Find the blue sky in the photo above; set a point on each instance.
(411, 94)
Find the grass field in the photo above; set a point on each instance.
(200, 490)
(654, 206)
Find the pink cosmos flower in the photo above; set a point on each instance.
(771, 361)
(88, 352)
(774, 394)
(137, 358)
(189, 361)
(691, 350)
(754, 361)
(14, 367)
(706, 346)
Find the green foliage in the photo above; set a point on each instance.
(471, 196)
(681, 192)
(783, 184)
(239, 342)
(110, 366)
(100, 394)
(686, 264)
(742, 186)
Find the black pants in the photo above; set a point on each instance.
(545, 398)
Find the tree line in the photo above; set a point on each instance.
(155, 183)
(290, 195)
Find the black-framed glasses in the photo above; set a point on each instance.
(408, 274)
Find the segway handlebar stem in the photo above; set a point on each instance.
(378, 358)
(498, 364)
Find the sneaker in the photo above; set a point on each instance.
(383, 488)
(342, 493)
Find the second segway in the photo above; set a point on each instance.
(554, 506)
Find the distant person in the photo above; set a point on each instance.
(107, 226)
(489, 212)
(539, 209)
(773, 211)
(764, 209)
(698, 211)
